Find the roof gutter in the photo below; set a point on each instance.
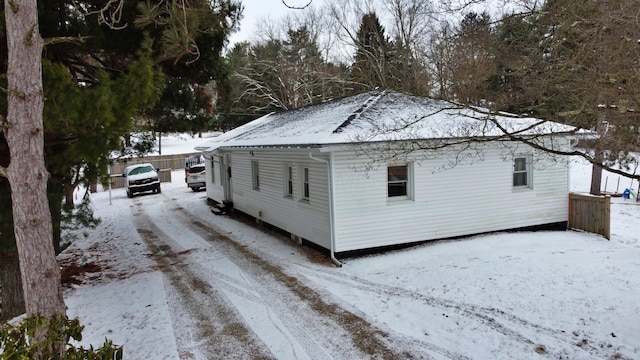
(332, 243)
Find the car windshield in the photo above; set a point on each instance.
(141, 170)
(196, 169)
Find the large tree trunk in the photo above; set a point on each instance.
(596, 177)
(27, 173)
(596, 172)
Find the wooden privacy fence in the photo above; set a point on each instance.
(165, 163)
(158, 162)
(590, 213)
(117, 181)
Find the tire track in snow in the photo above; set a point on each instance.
(232, 287)
(367, 337)
(310, 307)
(490, 317)
(206, 319)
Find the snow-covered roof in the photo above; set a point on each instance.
(379, 115)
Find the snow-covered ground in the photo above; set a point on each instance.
(556, 295)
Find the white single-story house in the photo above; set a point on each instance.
(382, 168)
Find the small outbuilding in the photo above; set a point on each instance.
(383, 168)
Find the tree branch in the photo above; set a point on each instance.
(65, 39)
(13, 92)
(110, 14)
(297, 7)
(466, 142)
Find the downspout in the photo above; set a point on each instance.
(332, 244)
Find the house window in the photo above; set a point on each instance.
(288, 181)
(305, 183)
(213, 171)
(255, 174)
(522, 171)
(398, 181)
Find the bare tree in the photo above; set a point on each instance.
(575, 62)
(593, 56)
(439, 55)
(395, 58)
(282, 74)
(412, 23)
(346, 16)
(412, 20)
(27, 174)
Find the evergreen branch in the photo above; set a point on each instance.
(19, 94)
(103, 63)
(28, 37)
(65, 39)
(14, 7)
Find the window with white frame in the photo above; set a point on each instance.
(304, 184)
(398, 181)
(255, 174)
(213, 171)
(522, 172)
(288, 180)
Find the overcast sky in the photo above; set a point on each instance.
(256, 9)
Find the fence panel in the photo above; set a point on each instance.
(590, 213)
(158, 161)
(165, 163)
(117, 181)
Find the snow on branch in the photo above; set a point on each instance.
(460, 135)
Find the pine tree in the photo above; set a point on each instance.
(576, 62)
(102, 67)
(372, 66)
(27, 174)
(473, 60)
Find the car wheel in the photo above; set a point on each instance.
(129, 194)
(195, 189)
(159, 190)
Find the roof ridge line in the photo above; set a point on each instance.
(365, 106)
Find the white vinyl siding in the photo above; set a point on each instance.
(214, 171)
(446, 203)
(307, 219)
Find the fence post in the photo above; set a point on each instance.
(607, 217)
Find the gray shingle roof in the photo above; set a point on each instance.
(374, 116)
